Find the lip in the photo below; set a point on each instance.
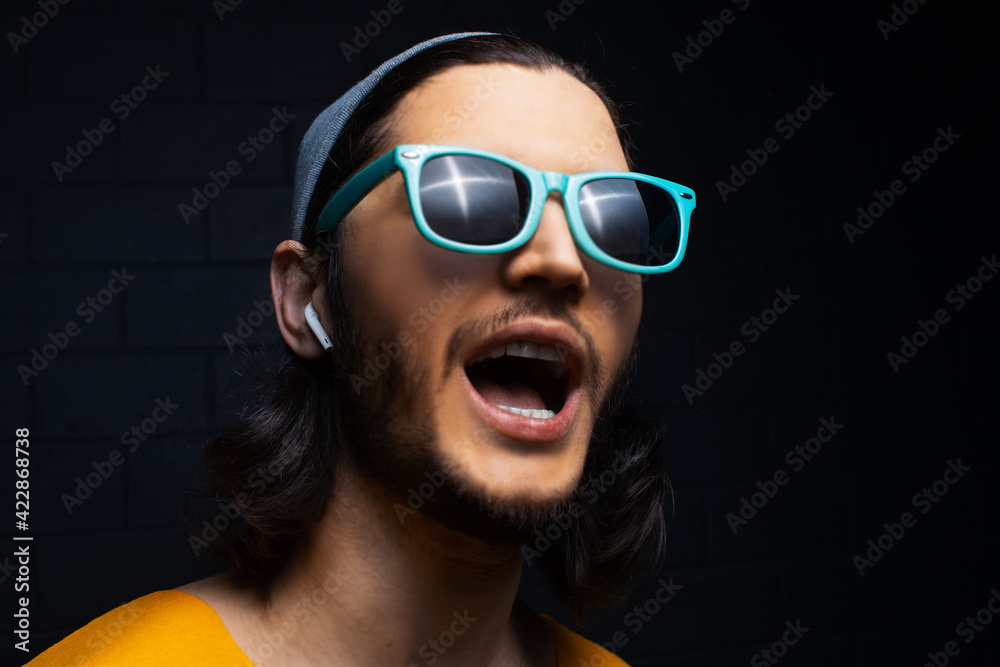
(519, 427)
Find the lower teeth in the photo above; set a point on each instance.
(528, 412)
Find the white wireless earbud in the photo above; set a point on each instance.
(313, 319)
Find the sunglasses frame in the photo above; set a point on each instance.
(410, 159)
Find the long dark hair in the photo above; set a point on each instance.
(275, 469)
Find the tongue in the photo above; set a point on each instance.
(514, 395)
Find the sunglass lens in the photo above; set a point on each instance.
(473, 200)
(633, 221)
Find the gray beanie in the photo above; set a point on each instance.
(323, 132)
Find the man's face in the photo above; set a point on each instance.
(434, 314)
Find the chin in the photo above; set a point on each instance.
(491, 492)
(527, 486)
(511, 468)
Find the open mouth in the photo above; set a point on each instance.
(523, 377)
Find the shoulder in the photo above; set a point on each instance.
(162, 628)
(574, 650)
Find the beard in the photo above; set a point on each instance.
(384, 424)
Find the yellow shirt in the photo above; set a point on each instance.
(176, 629)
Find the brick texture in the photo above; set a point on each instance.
(115, 201)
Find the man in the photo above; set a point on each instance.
(460, 319)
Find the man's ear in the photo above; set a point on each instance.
(293, 285)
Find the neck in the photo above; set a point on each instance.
(371, 588)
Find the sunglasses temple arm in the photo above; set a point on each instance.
(355, 190)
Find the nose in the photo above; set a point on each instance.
(550, 258)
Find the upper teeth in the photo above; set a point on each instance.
(523, 348)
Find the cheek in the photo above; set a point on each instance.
(374, 257)
(408, 283)
(614, 316)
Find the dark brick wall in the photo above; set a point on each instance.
(162, 336)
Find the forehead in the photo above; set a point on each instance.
(547, 119)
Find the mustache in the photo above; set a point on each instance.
(520, 308)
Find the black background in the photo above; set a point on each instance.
(826, 357)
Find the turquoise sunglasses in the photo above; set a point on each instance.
(480, 202)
